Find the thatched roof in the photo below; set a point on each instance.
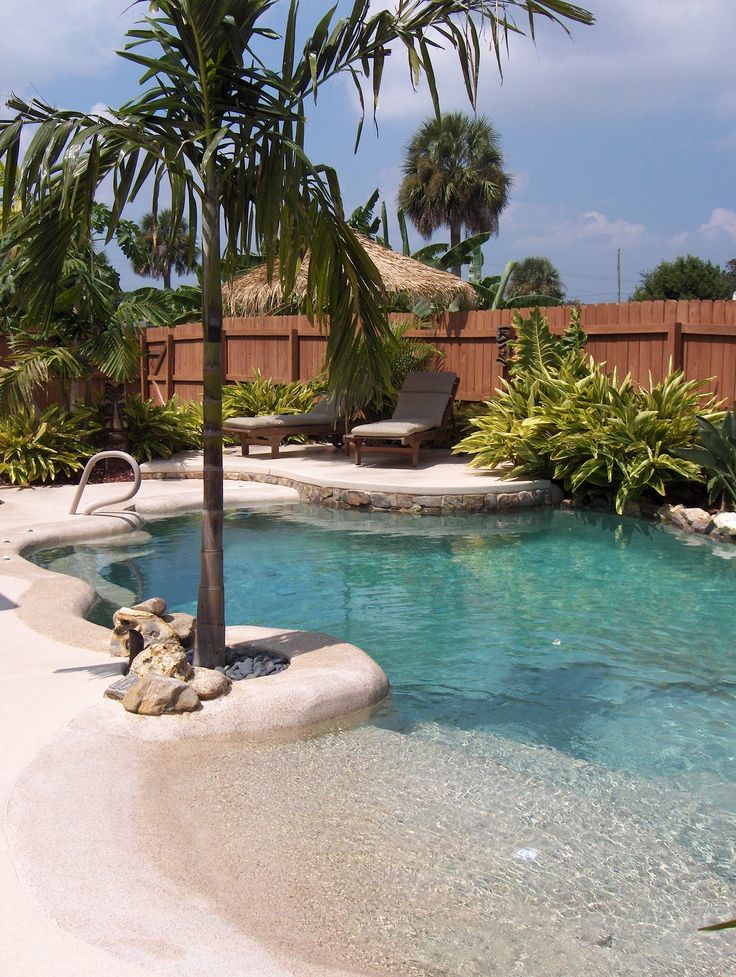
(403, 278)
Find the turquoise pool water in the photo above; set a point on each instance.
(607, 639)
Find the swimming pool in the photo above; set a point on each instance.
(610, 639)
(549, 789)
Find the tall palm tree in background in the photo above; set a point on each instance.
(535, 276)
(454, 177)
(223, 126)
(163, 246)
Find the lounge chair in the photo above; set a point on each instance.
(272, 429)
(422, 412)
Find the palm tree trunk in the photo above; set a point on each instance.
(455, 230)
(211, 604)
(166, 275)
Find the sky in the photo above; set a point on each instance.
(622, 136)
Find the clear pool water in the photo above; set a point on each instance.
(607, 639)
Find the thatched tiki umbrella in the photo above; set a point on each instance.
(404, 279)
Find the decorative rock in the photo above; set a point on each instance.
(150, 625)
(691, 520)
(156, 605)
(184, 626)
(725, 523)
(357, 498)
(153, 695)
(120, 686)
(209, 683)
(698, 519)
(163, 658)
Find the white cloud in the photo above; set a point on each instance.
(638, 59)
(721, 222)
(596, 226)
(41, 39)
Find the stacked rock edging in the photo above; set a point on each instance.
(369, 501)
(428, 505)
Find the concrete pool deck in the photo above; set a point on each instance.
(50, 676)
(441, 483)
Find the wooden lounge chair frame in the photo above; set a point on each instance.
(409, 443)
(273, 437)
(324, 423)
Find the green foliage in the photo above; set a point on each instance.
(536, 277)
(160, 430)
(560, 416)
(409, 354)
(453, 176)
(38, 446)
(262, 395)
(716, 455)
(686, 277)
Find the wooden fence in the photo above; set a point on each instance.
(642, 338)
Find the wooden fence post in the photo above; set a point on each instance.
(169, 364)
(294, 362)
(674, 342)
(143, 372)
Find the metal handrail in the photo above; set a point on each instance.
(88, 471)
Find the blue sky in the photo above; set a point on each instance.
(622, 137)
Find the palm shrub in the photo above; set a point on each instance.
(409, 354)
(39, 446)
(716, 455)
(160, 430)
(561, 416)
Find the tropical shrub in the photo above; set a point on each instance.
(262, 395)
(38, 446)
(410, 354)
(716, 455)
(159, 430)
(561, 416)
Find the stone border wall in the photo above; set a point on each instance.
(368, 501)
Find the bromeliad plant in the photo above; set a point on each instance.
(561, 416)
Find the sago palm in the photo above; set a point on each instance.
(220, 126)
(454, 177)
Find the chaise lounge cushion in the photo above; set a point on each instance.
(421, 407)
(277, 420)
(393, 429)
(321, 414)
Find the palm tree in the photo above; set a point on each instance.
(454, 177)
(225, 131)
(535, 276)
(163, 247)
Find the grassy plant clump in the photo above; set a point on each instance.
(561, 416)
(160, 430)
(262, 395)
(39, 446)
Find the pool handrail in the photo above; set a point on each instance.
(108, 502)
